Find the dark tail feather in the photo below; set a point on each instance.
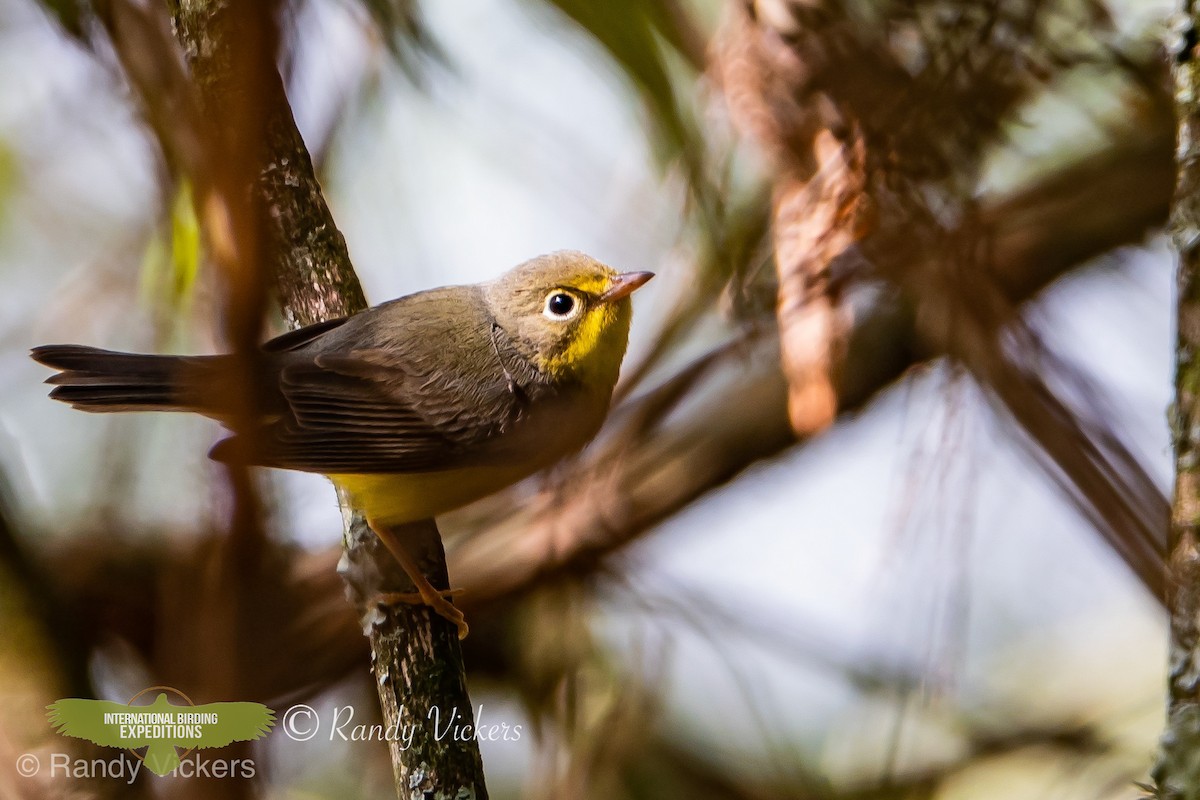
(92, 379)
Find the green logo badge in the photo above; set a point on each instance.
(161, 727)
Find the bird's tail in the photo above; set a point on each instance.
(92, 379)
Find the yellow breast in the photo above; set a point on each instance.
(408, 497)
(546, 433)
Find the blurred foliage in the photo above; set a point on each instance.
(636, 34)
(8, 178)
(171, 266)
(408, 39)
(660, 47)
(71, 14)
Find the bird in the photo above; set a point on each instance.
(413, 407)
(161, 726)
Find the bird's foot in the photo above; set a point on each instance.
(425, 594)
(438, 600)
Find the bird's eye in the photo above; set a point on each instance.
(560, 305)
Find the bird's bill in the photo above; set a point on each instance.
(624, 284)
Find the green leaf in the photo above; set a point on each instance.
(638, 35)
(171, 263)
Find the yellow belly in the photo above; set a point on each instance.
(408, 497)
(550, 432)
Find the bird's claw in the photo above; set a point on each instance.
(435, 599)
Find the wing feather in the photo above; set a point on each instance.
(399, 388)
(363, 412)
(300, 337)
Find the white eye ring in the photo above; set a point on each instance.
(561, 305)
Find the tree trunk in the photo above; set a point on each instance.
(416, 656)
(1177, 773)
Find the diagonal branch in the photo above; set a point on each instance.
(235, 105)
(1038, 235)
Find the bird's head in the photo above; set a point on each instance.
(568, 313)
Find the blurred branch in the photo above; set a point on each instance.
(416, 656)
(31, 581)
(635, 484)
(319, 642)
(314, 275)
(878, 160)
(43, 656)
(676, 771)
(297, 635)
(803, 640)
(963, 309)
(284, 229)
(734, 248)
(1109, 198)
(1177, 772)
(972, 321)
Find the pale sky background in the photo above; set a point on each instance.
(531, 145)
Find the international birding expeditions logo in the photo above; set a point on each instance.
(162, 727)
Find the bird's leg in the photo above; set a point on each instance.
(426, 593)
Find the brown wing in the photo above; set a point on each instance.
(419, 384)
(293, 340)
(366, 412)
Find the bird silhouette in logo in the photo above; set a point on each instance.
(155, 726)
